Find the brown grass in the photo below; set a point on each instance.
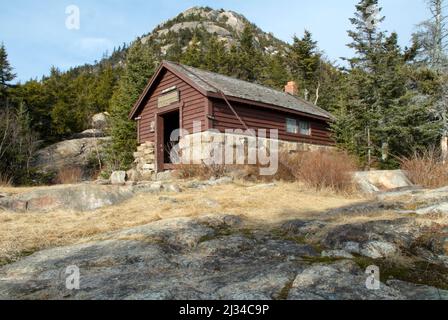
(320, 170)
(69, 175)
(201, 171)
(5, 181)
(326, 170)
(426, 169)
(25, 233)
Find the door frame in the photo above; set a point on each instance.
(160, 128)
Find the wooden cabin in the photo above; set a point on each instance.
(179, 95)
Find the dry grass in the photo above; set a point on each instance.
(5, 181)
(320, 170)
(201, 171)
(69, 175)
(25, 233)
(426, 169)
(325, 170)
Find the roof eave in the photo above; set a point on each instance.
(269, 106)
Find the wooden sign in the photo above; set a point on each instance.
(168, 98)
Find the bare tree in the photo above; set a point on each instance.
(432, 37)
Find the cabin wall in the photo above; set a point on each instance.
(194, 106)
(261, 118)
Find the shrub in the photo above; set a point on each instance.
(201, 171)
(319, 169)
(426, 169)
(69, 175)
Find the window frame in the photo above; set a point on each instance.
(308, 126)
(289, 126)
(299, 129)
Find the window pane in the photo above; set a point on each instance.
(291, 126)
(305, 128)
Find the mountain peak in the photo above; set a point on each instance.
(226, 25)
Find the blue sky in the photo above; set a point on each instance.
(36, 37)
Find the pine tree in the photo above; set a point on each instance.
(216, 57)
(304, 61)
(193, 56)
(364, 79)
(6, 75)
(140, 64)
(275, 74)
(246, 61)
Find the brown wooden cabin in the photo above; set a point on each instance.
(177, 95)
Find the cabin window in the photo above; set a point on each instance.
(298, 127)
(292, 126)
(305, 128)
(168, 96)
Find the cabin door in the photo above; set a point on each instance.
(167, 123)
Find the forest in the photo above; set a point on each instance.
(389, 102)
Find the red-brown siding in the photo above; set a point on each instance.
(261, 118)
(194, 105)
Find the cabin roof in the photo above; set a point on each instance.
(213, 83)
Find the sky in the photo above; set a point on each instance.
(36, 36)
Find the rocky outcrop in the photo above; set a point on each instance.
(73, 198)
(84, 197)
(69, 154)
(93, 196)
(377, 181)
(228, 26)
(80, 151)
(190, 259)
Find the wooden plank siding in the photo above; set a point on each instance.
(194, 106)
(262, 118)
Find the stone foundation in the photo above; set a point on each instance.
(189, 144)
(145, 159)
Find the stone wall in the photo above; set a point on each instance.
(145, 162)
(145, 159)
(189, 144)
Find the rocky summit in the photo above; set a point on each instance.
(227, 25)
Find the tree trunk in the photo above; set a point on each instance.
(444, 148)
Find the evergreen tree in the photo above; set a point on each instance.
(304, 61)
(104, 87)
(216, 57)
(194, 55)
(140, 64)
(275, 74)
(364, 79)
(382, 114)
(6, 75)
(245, 61)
